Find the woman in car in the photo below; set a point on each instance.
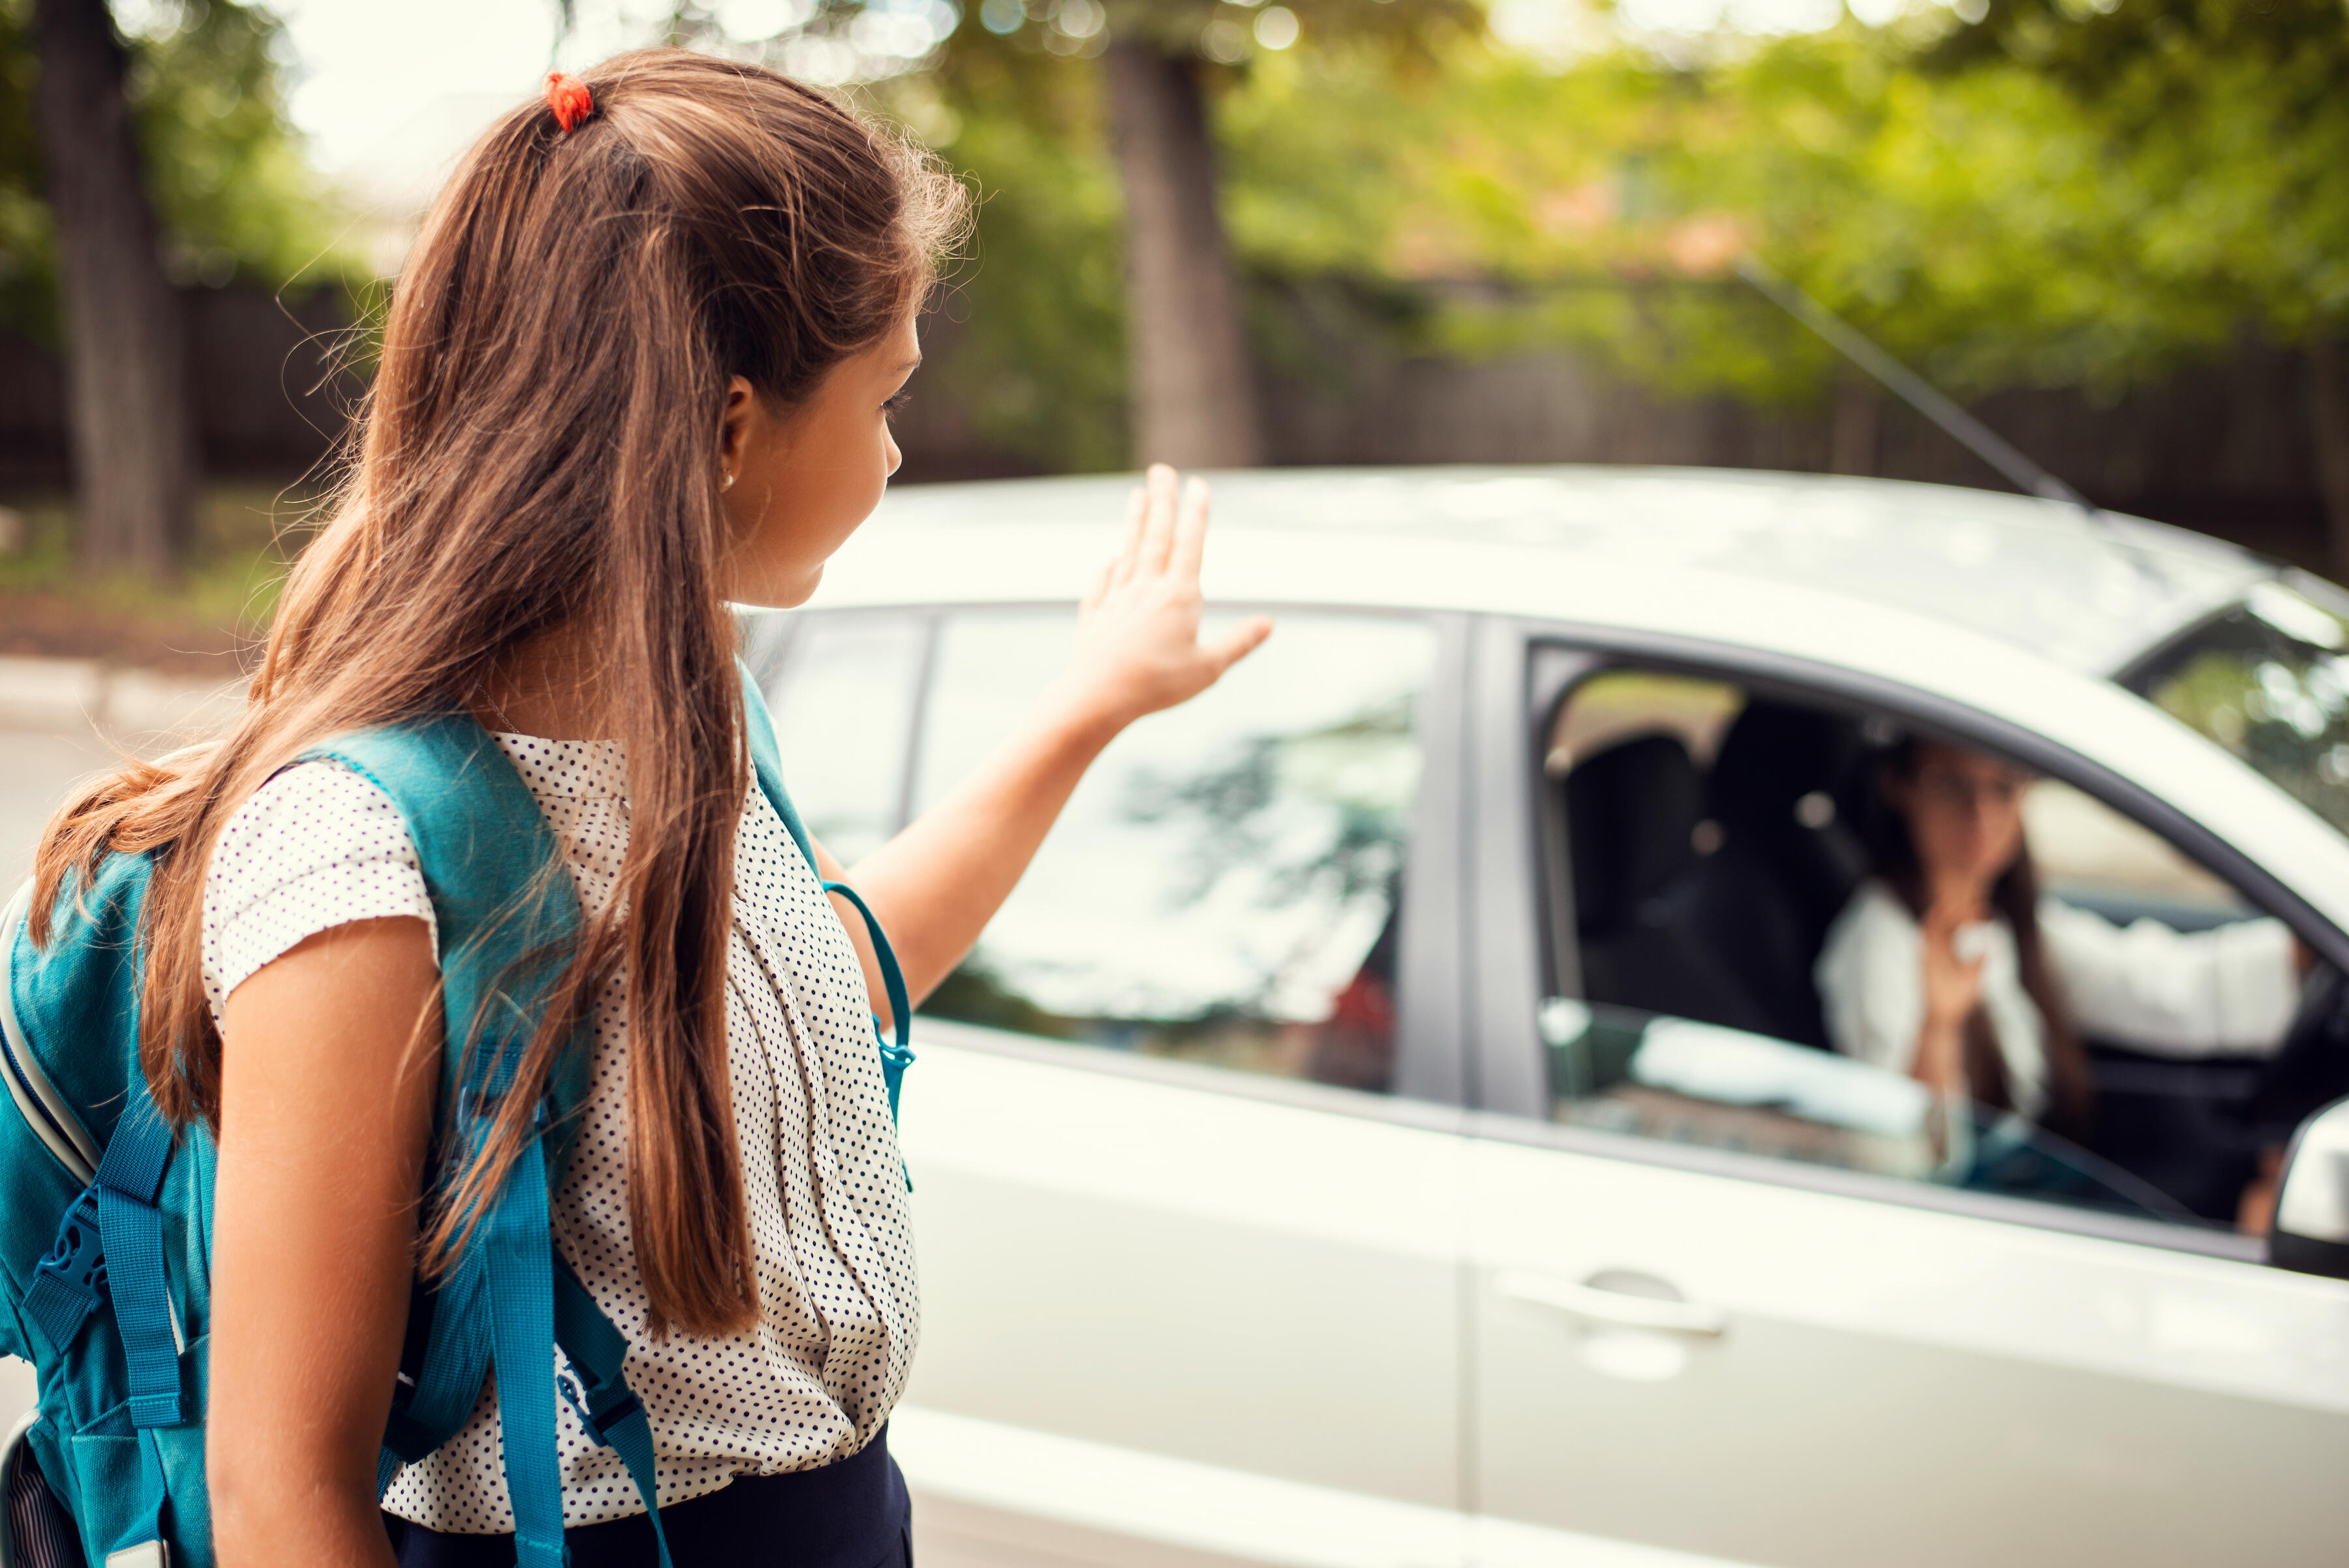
(1949, 965)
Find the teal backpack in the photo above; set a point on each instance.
(106, 1218)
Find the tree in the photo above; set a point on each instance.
(2067, 196)
(1194, 394)
(133, 438)
(217, 190)
(2234, 114)
(1191, 389)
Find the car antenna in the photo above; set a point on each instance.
(1936, 405)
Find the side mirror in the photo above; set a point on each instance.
(2310, 1233)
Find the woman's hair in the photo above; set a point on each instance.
(540, 450)
(2014, 896)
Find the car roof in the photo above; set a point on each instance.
(2093, 595)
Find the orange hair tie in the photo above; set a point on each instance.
(568, 97)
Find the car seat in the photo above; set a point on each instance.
(1754, 912)
(1631, 811)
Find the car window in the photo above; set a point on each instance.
(1224, 886)
(1726, 917)
(2093, 857)
(2268, 680)
(843, 708)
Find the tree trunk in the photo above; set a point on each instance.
(1857, 424)
(1193, 399)
(2328, 406)
(126, 352)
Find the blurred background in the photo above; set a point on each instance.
(1229, 234)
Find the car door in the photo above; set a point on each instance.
(1184, 1132)
(1724, 1330)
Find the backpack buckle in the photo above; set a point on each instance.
(583, 1402)
(71, 1281)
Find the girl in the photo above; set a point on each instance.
(639, 364)
(1948, 963)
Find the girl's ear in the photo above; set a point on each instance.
(734, 428)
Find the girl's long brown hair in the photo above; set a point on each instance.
(539, 451)
(1892, 856)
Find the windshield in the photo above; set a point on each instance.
(2268, 680)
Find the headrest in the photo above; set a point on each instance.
(1774, 754)
(1631, 810)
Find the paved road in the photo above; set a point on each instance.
(35, 770)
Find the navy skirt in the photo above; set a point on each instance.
(854, 1513)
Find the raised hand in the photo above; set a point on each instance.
(1137, 650)
(1137, 645)
(1953, 990)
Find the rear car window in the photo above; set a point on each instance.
(1225, 885)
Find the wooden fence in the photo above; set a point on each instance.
(2226, 449)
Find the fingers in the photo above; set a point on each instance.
(1243, 640)
(1158, 531)
(1138, 520)
(1190, 531)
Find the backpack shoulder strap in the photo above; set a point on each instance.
(767, 761)
(509, 920)
(507, 913)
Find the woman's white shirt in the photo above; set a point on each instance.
(2231, 991)
(815, 1377)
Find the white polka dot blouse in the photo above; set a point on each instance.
(815, 1377)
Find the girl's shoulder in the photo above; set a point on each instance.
(1873, 930)
(306, 812)
(316, 845)
(1873, 911)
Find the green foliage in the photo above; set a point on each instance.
(2071, 193)
(1039, 357)
(2061, 196)
(1235, 33)
(226, 171)
(27, 257)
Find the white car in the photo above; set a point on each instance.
(1386, 1130)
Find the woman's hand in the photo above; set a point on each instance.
(1952, 983)
(1137, 646)
(1952, 992)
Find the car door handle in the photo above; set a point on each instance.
(1615, 1307)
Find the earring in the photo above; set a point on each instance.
(725, 480)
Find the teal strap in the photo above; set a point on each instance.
(521, 1346)
(767, 762)
(898, 1057)
(598, 1390)
(630, 1436)
(442, 1380)
(130, 1228)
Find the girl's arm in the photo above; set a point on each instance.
(326, 1094)
(936, 885)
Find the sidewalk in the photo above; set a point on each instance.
(130, 707)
